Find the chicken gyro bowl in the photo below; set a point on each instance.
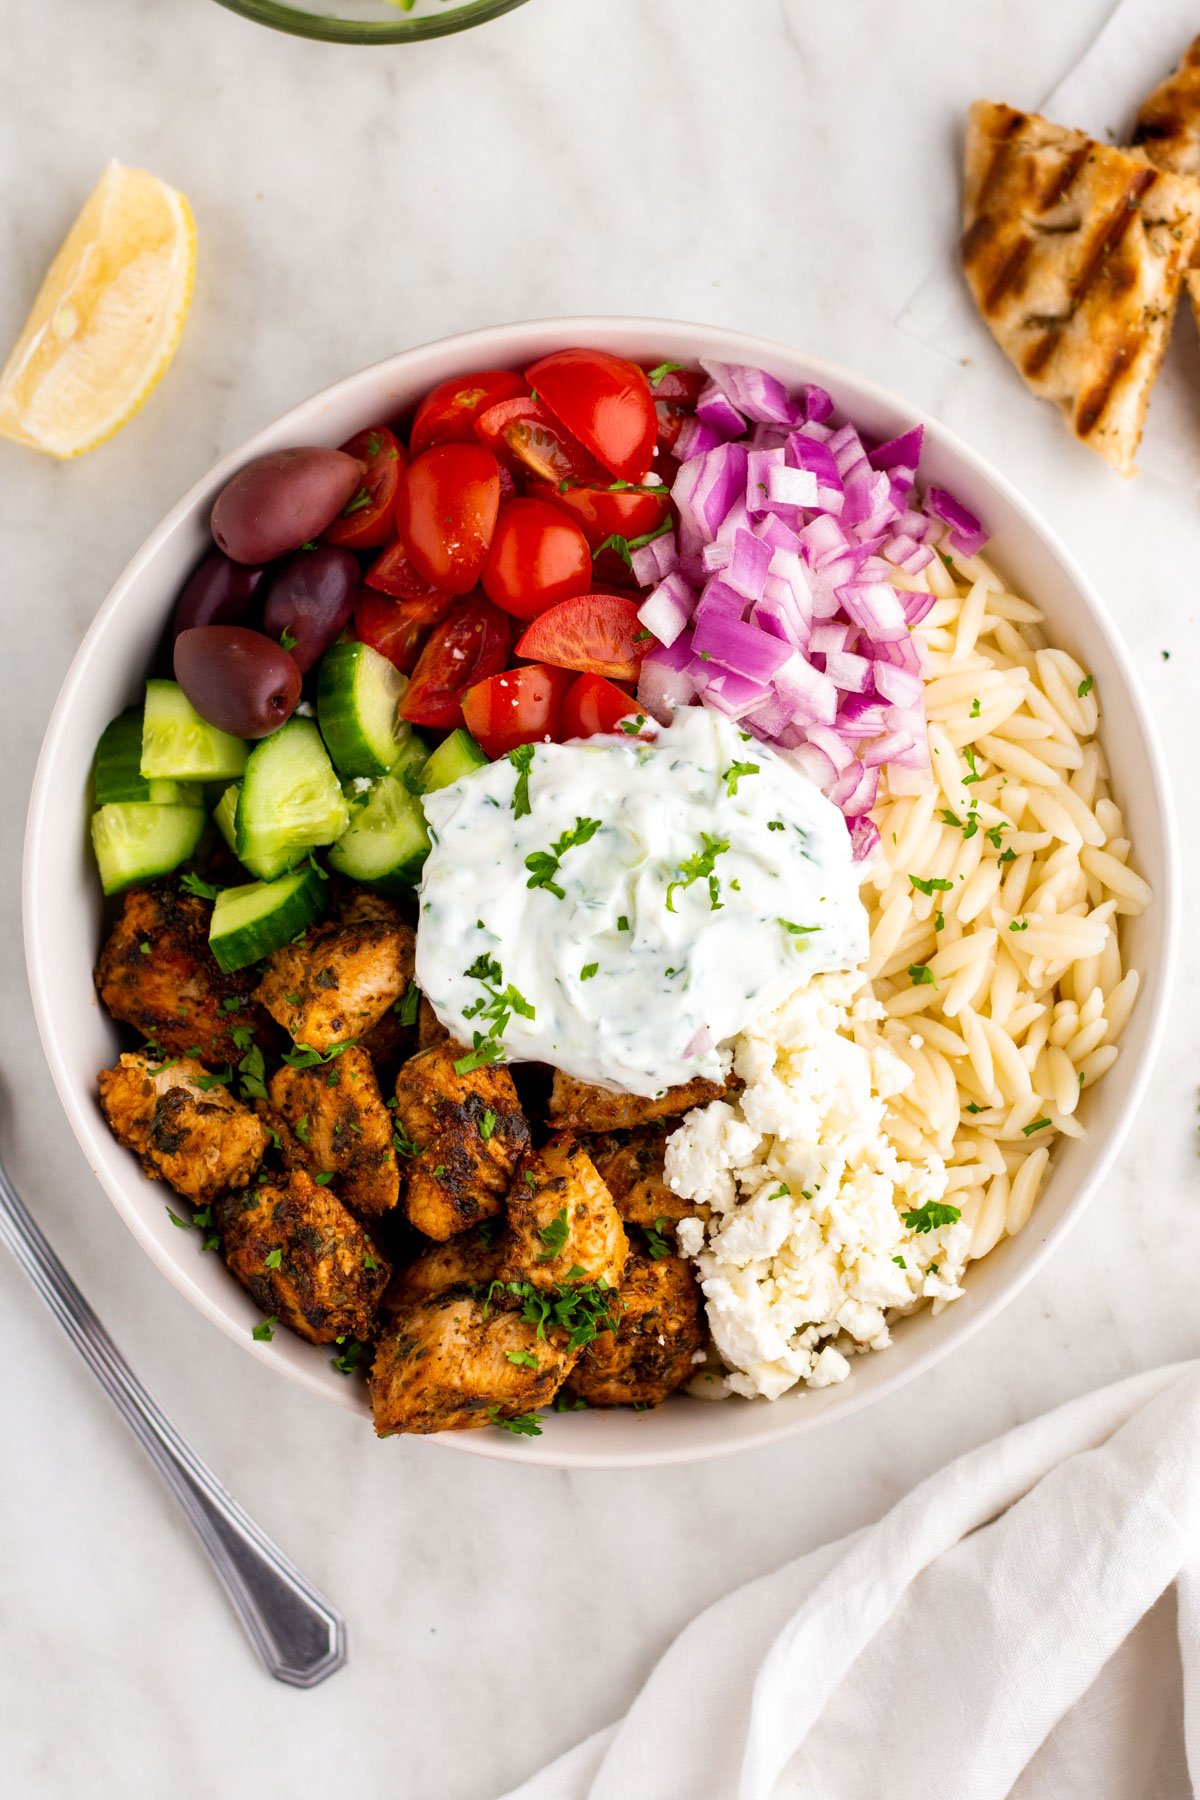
(620, 869)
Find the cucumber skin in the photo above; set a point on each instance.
(262, 861)
(401, 878)
(248, 943)
(456, 756)
(116, 769)
(225, 815)
(182, 832)
(168, 713)
(343, 668)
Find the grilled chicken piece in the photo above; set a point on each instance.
(445, 1364)
(631, 1168)
(561, 1219)
(469, 1260)
(330, 1275)
(575, 1106)
(157, 973)
(1168, 121)
(336, 1121)
(469, 1132)
(200, 1140)
(660, 1331)
(337, 981)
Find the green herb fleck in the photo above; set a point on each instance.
(521, 758)
(264, 1331)
(921, 975)
(932, 1216)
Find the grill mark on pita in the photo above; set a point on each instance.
(1008, 274)
(1062, 180)
(1039, 354)
(1112, 230)
(1092, 405)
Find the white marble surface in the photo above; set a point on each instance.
(784, 166)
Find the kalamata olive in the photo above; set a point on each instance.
(310, 596)
(282, 500)
(239, 680)
(217, 592)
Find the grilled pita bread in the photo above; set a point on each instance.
(1075, 254)
(1168, 123)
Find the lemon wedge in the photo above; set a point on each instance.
(107, 319)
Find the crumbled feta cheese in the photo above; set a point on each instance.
(805, 1254)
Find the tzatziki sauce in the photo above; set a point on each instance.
(621, 907)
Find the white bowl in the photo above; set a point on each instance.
(63, 905)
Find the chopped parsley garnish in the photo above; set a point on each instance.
(900, 1262)
(357, 502)
(524, 1359)
(974, 712)
(1018, 925)
(939, 921)
(775, 825)
(588, 970)
(969, 753)
(631, 727)
(733, 774)
(1007, 856)
(301, 1128)
(252, 1069)
(176, 1220)
(323, 1177)
(408, 1006)
(303, 1056)
(525, 1426)
(973, 1106)
(1085, 687)
(698, 868)
(273, 1259)
(798, 930)
(203, 890)
(286, 639)
(934, 885)
(403, 1144)
(656, 1243)
(781, 1192)
(144, 947)
(349, 1358)
(622, 923)
(654, 376)
(1038, 1125)
(553, 1236)
(921, 975)
(543, 865)
(496, 1006)
(487, 1124)
(624, 547)
(932, 1216)
(521, 758)
(264, 1331)
(992, 834)
(222, 1078)
(369, 1261)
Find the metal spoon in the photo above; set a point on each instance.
(298, 1635)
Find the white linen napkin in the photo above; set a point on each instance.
(1026, 1622)
(1141, 43)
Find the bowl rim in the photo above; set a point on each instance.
(298, 23)
(493, 342)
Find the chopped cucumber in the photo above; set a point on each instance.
(117, 771)
(225, 815)
(135, 841)
(178, 745)
(388, 840)
(358, 697)
(459, 755)
(250, 922)
(290, 800)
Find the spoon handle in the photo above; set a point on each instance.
(299, 1636)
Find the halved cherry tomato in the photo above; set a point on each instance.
(392, 573)
(398, 628)
(369, 516)
(599, 634)
(468, 646)
(594, 705)
(448, 412)
(446, 514)
(668, 381)
(525, 438)
(604, 402)
(538, 557)
(521, 706)
(602, 511)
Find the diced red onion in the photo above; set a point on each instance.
(875, 608)
(664, 682)
(731, 693)
(699, 1044)
(755, 394)
(718, 600)
(748, 565)
(792, 487)
(966, 534)
(717, 411)
(814, 404)
(707, 487)
(850, 673)
(652, 561)
(812, 695)
(667, 608)
(758, 469)
(695, 437)
(836, 749)
(741, 647)
(903, 452)
(900, 686)
(828, 637)
(864, 839)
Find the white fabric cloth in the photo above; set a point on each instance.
(1025, 1622)
(1141, 43)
